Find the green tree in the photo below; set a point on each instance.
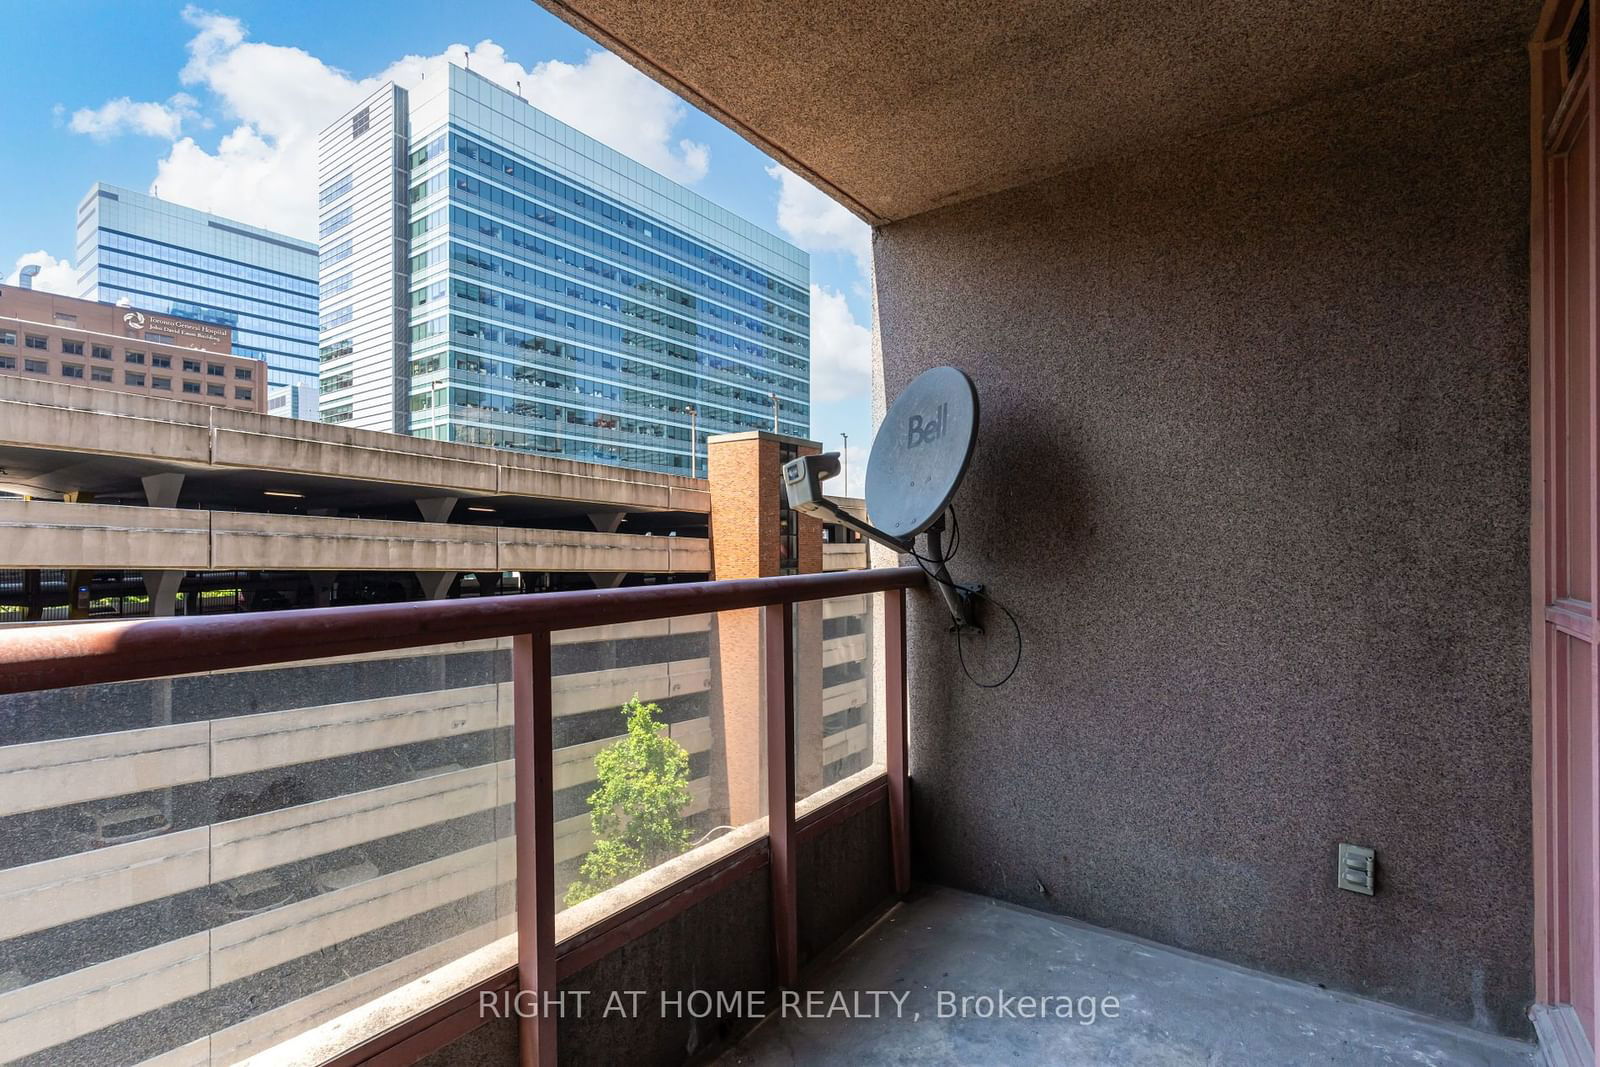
(637, 813)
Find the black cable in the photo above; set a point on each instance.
(955, 535)
(1015, 663)
(924, 563)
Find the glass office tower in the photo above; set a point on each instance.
(493, 276)
(183, 262)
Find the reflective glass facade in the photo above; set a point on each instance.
(558, 297)
(176, 260)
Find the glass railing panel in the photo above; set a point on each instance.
(212, 864)
(838, 690)
(658, 738)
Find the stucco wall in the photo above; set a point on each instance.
(1254, 478)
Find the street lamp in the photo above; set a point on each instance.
(774, 397)
(846, 457)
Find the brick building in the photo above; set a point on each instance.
(82, 342)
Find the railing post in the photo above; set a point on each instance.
(778, 642)
(535, 847)
(894, 641)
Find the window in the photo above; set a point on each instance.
(133, 357)
(72, 370)
(8, 362)
(215, 389)
(360, 123)
(35, 341)
(339, 284)
(100, 374)
(7, 337)
(159, 360)
(337, 381)
(336, 190)
(241, 393)
(216, 370)
(63, 319)
(71, 348)
(191, 387)
(157, 381)
(338, 317)
(243, 374)
(342, 413)
(36, 366)
(337, 349)
(101, 351)
(162, 338)
(336, 221)
(132, 377)
(336, 253)
(191, 366)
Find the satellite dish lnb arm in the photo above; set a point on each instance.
(844, 518)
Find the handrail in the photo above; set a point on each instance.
(59, 656)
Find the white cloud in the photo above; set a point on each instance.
(55, 275)
(123, 115)
(855, 470)
(817, 223)
(841, 349)
(263, 171)
(613, 103)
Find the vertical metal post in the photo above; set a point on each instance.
(535, 847)
(778, 642)
(894, 643)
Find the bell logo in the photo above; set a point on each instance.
(920, 431)
(134, 320)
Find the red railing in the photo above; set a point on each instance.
(62, 656)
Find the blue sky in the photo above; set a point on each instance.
(218, 107)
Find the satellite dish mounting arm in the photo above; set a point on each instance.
(802, 480)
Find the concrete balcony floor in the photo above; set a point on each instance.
(1174, 1008)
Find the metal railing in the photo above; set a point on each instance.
(52, 657)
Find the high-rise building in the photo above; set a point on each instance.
(492, 276)
(294, 401)
(161, 257)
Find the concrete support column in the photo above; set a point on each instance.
(162, 587)
(322, 588)
(33, 594)
(436, 584)
(606, 522)
(78, 581)
(747, 527)
(437, 508)
(161, 490)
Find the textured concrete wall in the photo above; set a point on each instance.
(844, 875)
(1254, 477)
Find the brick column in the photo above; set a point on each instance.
(747, 542)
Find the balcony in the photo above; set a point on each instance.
(352, 828)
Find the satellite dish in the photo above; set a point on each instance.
(917, 463)
(921, 452)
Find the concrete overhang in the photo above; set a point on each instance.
(56, 439)
(898, 108)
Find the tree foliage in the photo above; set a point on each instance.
(637, 812)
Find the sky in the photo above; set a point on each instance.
(218, 108)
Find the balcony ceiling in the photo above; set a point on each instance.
(898, 107)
